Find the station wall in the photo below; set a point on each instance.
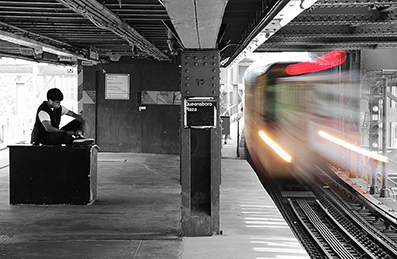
(128, 125)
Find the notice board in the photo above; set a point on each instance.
(117, 86)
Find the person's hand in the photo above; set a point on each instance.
(85, 127)
(70, 132)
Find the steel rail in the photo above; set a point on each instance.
(324, 231)
(320, 244)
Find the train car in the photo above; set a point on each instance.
(292, 109)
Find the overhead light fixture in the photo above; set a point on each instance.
(307, 3)
(114, 56)
(38, 50)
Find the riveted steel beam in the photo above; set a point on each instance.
(324, 46)
(337, 31)
(258, 24)
(33, 42)
(339, 42)
(38, 46)
(347, 19)
(361, 24)
(355, 4)
(34, 36)
(104, 18)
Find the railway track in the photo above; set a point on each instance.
(334, 222)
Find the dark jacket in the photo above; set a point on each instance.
(38, 130)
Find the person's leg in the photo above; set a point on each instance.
(57, 138)
(74, 126)
(78, 129)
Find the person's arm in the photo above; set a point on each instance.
(46, 121)
(76, 116)
(49, 128)
(79, 118)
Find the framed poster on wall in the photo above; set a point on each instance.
(117, 86)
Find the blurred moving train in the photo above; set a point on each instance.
(295, 112)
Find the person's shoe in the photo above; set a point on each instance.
(96, 146)
(83, 141)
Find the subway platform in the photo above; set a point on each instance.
(137, 214)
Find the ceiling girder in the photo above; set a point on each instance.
(197, 22)
(351, 24)
(104, 18)
(269, 11)
(344, 43)
(36, 44)
(30, 35)
(293, 37)
(348, 19)
(330, 24)
(355, 4)
(337, 31)
(303, 46)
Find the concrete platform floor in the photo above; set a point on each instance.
(138, 211)
(137, 215)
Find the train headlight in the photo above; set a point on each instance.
(275, 147)
(352, 147)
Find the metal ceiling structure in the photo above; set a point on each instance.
(331, 24)
(64, 31)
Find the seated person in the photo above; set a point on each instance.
(46, 129)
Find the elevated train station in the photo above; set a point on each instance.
(160, 84)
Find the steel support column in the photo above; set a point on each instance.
(384, 142)
(200, 143)
(87, 88)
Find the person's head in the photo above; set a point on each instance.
(54, 98)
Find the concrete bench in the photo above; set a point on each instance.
(52, 174)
